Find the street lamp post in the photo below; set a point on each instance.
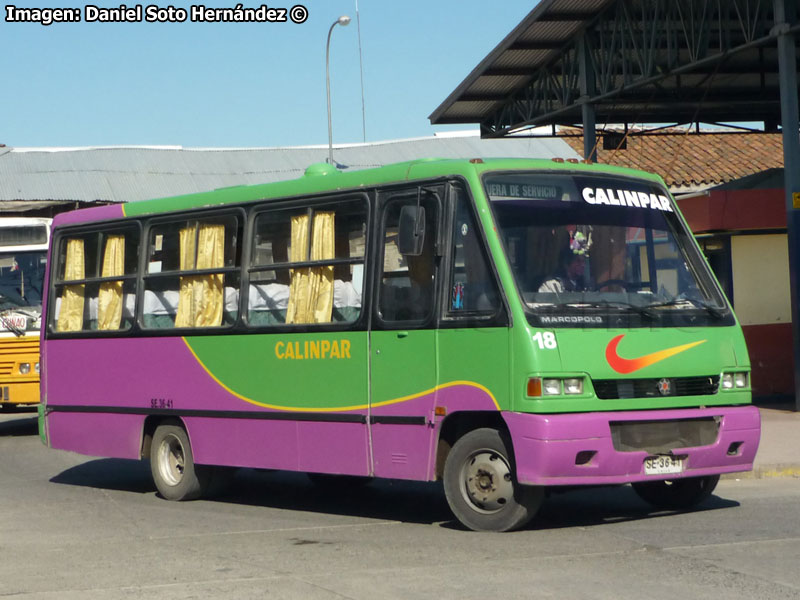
(344, 20)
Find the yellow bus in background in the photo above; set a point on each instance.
(23, 257)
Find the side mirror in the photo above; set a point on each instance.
(411, 234)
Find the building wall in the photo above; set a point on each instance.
(761, 279)
(762, 302)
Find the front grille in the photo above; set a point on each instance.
(663, 436)
(613, 389)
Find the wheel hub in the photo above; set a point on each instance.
(171, 460)
(487, 481)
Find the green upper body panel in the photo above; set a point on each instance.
(321, 180)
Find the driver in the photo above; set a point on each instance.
(569, 278)
(572, 265)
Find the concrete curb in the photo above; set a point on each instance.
(767, 472)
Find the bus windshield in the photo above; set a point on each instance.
(21, 277)
(587, 250)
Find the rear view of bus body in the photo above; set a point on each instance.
(504, 325)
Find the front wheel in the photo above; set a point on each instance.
(172, 464)
(480, 486)
(676, 494)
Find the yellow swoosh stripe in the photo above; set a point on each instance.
(341, 408)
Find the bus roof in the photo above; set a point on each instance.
(321, 178)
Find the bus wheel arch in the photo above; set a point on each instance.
(149, 427)
(458, 424)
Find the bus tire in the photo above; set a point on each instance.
(676, 494)
(172, 465)
(480, 485)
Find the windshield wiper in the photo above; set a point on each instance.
(714, 311)
(642, 310)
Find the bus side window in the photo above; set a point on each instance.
(192, 278)
(307, 265)
(473, 289)
(87, 298)
(407, 282)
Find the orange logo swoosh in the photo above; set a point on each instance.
(629, 365)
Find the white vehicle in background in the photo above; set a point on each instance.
(23, 257)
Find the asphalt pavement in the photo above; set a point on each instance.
(74, 527)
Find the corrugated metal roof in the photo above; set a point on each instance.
(128, 174)
(539, 39)
(652, 62)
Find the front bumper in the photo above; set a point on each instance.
(19, 393)
(552, 450)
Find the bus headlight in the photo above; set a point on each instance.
(735, 381)
(551, 387)
(36, 368)
(24, 368)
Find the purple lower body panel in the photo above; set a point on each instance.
(579, 449)
(98, 434)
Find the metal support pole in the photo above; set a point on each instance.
(588, 115)
(589, 133)
(343, 21)
(328, 90)
(790, 123)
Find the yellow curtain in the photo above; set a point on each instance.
(109, 299)
(311, 289)
(70, 318)
(298, 288)
(202, 297)
(321, 280)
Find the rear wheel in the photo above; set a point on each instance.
(676, 493)
(480, 486)
(172, 464)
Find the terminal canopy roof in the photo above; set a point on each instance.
(634, 61)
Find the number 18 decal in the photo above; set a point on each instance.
(546, 340)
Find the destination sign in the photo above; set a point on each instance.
(527, 191)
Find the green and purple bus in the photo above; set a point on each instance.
(507, 326)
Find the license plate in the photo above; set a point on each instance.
(663, 464)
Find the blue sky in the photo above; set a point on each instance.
(235, 84)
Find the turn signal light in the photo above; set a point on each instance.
(534, 387)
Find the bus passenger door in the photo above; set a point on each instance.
(473, 336)
(403, 336)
